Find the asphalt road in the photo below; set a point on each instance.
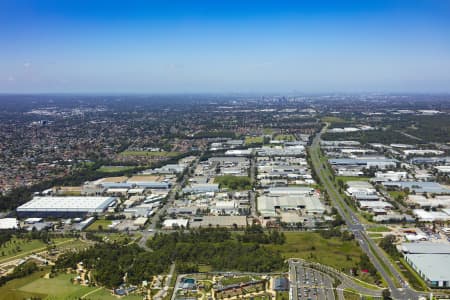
(162, 211)
(352, 221)
(252, 195)
(311, 284)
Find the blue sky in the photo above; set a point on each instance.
(224, 46)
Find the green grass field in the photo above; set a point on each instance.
(313, 247)
(119, 238)
(253, 140)
(113, 169)
(396, 194)
(9, 291)
(58, 288)
(99, 225)
(235, 183)
(205, 268)
(235, 280)
(282, 296)
(332, 119)
(378, 229)
(285, 137)
(150, 153)
(17, 246)
(29, 247)
(352, 178)
(268, 131)
(375, 235)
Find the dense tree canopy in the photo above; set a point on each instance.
(212, 246)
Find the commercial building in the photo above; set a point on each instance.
(366, 162)
(430, 260)
(431, 216)
(64, 207)
(219, 221)
(9, 223)
(309, 204)
(418, 186)
(202, 188)
(431, 202)
(389, 176)
(175, 223)
(281, 284)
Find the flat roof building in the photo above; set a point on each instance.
(64, 206)
(430, 260)
(310, 204)
(220, 221)
(418, 186)
(9, 223)
(173, 223)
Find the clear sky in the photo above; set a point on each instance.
(224, 46)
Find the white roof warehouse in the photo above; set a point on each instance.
(430, 260)
(64, 206)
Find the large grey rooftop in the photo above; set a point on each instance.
(426, 248)
(435, 267)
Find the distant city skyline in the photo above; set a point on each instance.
(377, 46)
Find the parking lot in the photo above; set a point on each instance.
(311, 284)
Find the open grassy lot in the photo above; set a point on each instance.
(254, 140)
(120, 238)
(378, 229)
(58, 288)
(150, 153)
(234, 182)
(113, 169)
(204, 268)
(312, 246)
(285, 137)
(396, 194)
(375, 235)
(103, 294)
(268, 131)
(9, 291)
(352, 178)
(99, 225)
(75, 244)
(18, 246)
(332, 119)
(236, 280)
(28, 247)
(351, 295)
(282, 296)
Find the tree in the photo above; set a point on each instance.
(386, 294)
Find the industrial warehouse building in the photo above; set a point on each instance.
(430, 260)
(310, 204)
(60, 207)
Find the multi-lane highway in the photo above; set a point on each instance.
(398, 288)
